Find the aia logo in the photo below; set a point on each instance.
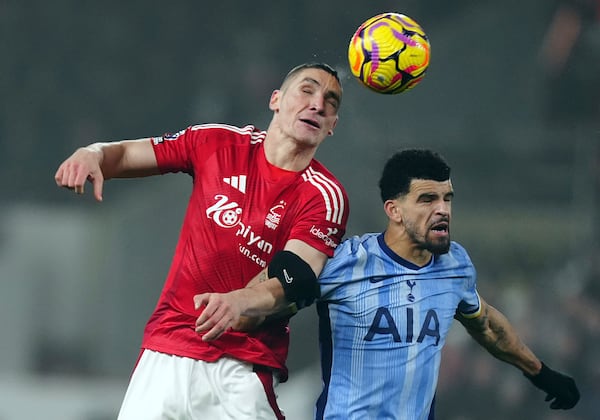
(224, 213)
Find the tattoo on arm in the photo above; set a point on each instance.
(263, 276)
(493, 331)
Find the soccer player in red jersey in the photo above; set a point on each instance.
(261, 207)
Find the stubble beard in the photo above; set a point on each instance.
(441, 246)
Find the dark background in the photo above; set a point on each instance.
(79, 279)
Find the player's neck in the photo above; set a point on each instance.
(404, 247)
(286, 154)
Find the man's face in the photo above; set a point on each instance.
(426, 212)
(306, 106)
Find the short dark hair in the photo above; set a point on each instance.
(312, 65)
(409, 164)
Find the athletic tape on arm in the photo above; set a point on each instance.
(297, 278)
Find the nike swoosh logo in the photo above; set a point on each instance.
(288, 278)
(377, 279)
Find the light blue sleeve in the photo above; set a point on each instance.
(470, 305)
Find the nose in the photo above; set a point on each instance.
(318, 104)
(444, 208)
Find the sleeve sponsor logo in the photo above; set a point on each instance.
(166, 136)
(173, 136)
(325, 237)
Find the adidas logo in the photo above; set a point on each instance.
(237, 182)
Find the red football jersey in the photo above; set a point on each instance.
(241, 212)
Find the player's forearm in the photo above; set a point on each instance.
(241, 309)
(501, 340)
(264, 298)
(125, 159)
(289, 283)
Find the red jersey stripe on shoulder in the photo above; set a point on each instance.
(331, 192)
(256, 136)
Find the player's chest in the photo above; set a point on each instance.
(405, 297)
(242, 202)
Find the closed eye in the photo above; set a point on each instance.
(427, 198)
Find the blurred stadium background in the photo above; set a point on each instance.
(79, 279)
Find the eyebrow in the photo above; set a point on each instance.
(430, 195)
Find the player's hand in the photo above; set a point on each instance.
(561, 389)
(221, 312)
(81, 166)
(248, 323)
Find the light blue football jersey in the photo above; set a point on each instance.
(383, 323)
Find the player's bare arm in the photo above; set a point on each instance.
(100, 161)
(263, 296)
(494, 332)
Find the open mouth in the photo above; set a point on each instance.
(441, 227)
(311, 123)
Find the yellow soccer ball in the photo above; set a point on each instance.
(389, 53)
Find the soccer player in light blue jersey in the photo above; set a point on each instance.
(388, 300)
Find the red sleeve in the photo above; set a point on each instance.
(174, 150)
(322, 220)
(188, 149)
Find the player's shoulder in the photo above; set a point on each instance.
(352, 251)
(317, 171)
(226, 132)
(457, 248)
(320, 185)
(320, 182)
(456, 257)
(357, 245)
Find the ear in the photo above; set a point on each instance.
(393, 211)
(274, 101)
(330, 132)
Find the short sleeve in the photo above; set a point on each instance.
(322, 220)
(173, 151)
(470, 304)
